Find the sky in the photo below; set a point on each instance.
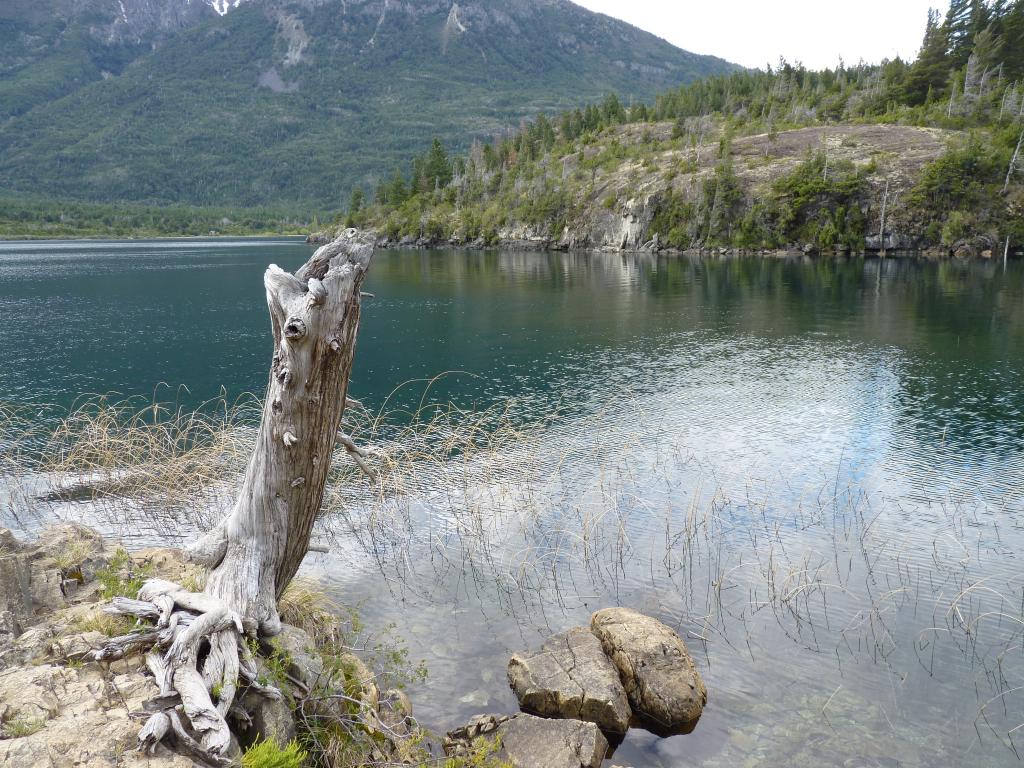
(755, 33)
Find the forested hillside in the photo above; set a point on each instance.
(289, 103)
(755, 159)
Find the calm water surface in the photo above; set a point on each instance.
(813, 469)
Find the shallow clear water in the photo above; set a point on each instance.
(813, 469)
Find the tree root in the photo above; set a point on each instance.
(198, 656)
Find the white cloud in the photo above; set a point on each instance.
(755, 32)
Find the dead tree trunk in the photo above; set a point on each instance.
(1013, 163)
(256, 550)
(881, 228)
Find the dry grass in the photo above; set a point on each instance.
(305, 605)
(544, 525)
(105, 450)
(105, 623)
(17, 729)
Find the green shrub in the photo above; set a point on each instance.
(267, 754)
(819, 202)
(959, 225)
(960, 193)
(957, 178)
(672, 219)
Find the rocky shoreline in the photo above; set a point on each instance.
(66, 701)
(977, 249)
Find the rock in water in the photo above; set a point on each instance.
(571, 677)
(534, 742)
(660, 678)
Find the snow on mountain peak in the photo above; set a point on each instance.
(223, 6)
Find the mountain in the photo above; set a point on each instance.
(253, 102)
(49, 48)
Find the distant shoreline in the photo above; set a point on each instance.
(124, 238)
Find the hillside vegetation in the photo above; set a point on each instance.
(26, 217)
(286, 102)
(754, 160)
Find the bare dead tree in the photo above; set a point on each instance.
(881, 229)
(200, 654)
(1013, 163)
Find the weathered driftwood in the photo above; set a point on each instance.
(200, 655)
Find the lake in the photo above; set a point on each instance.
(812, 468)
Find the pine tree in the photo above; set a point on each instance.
(1011, 28)
(612, 110)
(545, 133)
(397, 191)
(437, 168)
(930, 72)
(355, 204)
(964, 21)
(957, 29)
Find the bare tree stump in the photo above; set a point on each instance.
(256, 550)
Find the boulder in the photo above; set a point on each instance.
(47, 586)
(72, 547)
(32, 644)
(571, 677)
(303, 662)
(8, 628)
(40, 577)
(269, 719)
(357, 681)
(15, 594)
(9, 545)
(661, 680)
(533, 742)
(395, 711)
